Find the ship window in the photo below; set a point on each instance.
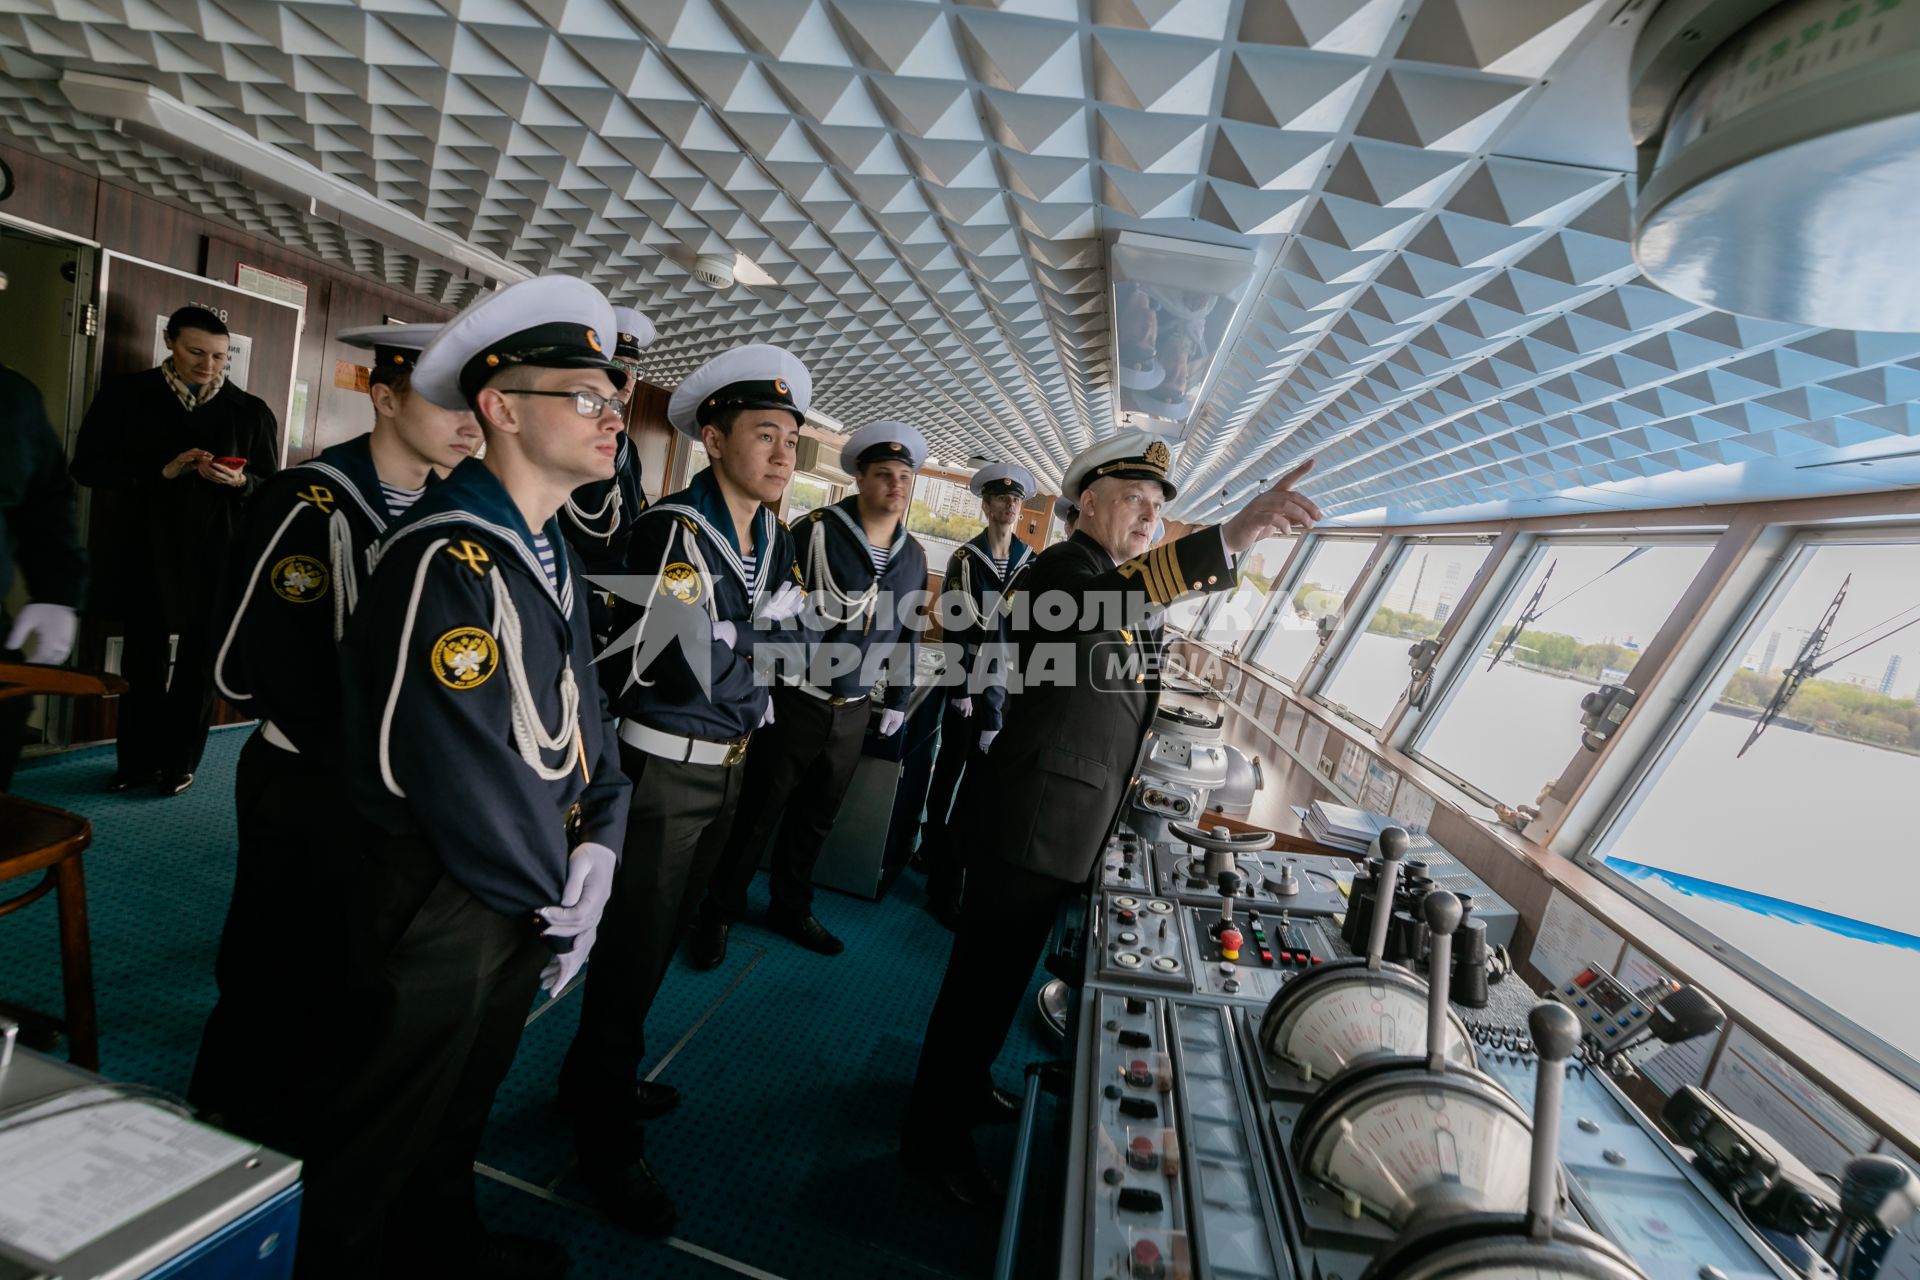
(1427, 581)
(942, 515)
(808, 493)
(1796, 851)
(1509, 720)
(1312, 605)
(1232, 618)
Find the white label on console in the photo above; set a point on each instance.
(1570, 939)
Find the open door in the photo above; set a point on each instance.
(136, 299)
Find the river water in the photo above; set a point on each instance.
(1805, 819)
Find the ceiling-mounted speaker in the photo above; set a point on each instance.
(715, 270)
(1780, 158)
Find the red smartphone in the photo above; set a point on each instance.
(232, 464)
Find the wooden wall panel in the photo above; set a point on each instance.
(48, 193)
(653, 437)
(142, 227)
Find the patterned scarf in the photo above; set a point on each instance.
(190, 399)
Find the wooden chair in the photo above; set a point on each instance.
(38, 837)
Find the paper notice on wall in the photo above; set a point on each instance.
(70, 1173)
(1353, 767)
(1769, 1093)
(1412, 807)
(1679, 1065)
(1313, 747)
(1570, 939)
(1376, 793)
(1291, 717)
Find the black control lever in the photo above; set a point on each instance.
(1878, 1195)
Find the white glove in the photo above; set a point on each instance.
(589, 885)
(766, 717)
(50, 627)
(986, 739)
(726, 633)
(964, 705)
(890, 722)
(564, 966)
(785, 603)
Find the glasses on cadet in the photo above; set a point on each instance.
(588, 404)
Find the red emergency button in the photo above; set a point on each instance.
(1146, 1259)
(1230, 941)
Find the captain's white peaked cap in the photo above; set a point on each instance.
(883, 442)
(755, 376)
(548, 322)
(999, 475)
(1131, 455)
(392, 344)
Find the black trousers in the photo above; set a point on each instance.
(944, 853)
(1004, 925)
(163, 722)
(677, 827)
(438, 988)
(798, 771)
(266, 1045)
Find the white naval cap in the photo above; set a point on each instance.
(394, 346)
(1131, 455)
(755, 376)
(883, 442)
(549, 322)
(633, 333)
(998, 478)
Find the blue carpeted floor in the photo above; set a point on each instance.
(794, 1068)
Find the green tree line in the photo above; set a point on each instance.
(1843, 710)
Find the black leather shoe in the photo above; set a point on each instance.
(173, 784)
(123, 780)
(509, 1256)
(966, 1182)
(945, 908)
(632, 1197)
(1001, 1107)
(651, 1100)
(808, 932)
(708, 950)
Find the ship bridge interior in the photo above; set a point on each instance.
(1597, 320)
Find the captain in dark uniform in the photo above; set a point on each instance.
(481, 754)
(302, 563)
(859, 566)
(599, 518)
(710, 577)
(1059, 770)
(975, 618)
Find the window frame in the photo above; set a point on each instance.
(1625, 801)
(1344, 641)
(1304, 552)
(1216, 601)
(1524, 560)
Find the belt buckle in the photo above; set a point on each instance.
(736, 752)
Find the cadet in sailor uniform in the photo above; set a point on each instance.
(857, 563)
(598, 518)
(1060, 768)
(482, 754)
(303, 551)
(979, 580)
(682, 677)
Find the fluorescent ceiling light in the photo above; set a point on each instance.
(141, 111)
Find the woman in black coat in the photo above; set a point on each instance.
(181, 447)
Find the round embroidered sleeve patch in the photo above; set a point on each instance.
(681, 582)
(464, 658)
(299, 579)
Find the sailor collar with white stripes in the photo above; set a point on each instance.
(1017, 553)
(701, 502)
(348, 469)
(472, 495)
(848, 509)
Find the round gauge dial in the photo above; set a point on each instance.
(1326, 1020)
(1410, 1133)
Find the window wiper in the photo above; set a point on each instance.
(1527, 615)
(1802, 669)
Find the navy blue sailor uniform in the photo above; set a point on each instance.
(688, 703)
(979, 643)
(599, 520)
(800, 766)
(302, 559)
(481, 752)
